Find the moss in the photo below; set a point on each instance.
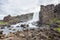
(53, 20)
(3, 23)
(57, 29)
(58, 21)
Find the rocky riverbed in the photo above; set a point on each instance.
(43, 33)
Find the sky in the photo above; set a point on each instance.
(18, 7)
(46, 2)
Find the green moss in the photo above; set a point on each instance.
(57, 29)
(58, 21)
(53, 20)
(2, 23)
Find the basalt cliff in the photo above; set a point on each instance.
(49, 13)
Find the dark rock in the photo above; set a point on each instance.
(2, 27)
(8, 26)
(24, 25)
(7, 18)
(1, 32)
(54, 25)
(17, 26)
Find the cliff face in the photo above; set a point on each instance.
(16, 19)
(57, 10)
(46, 13)
(49, 12)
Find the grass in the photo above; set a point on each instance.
(58, 21)
(57, 29)
(2, 23)
(53, 20)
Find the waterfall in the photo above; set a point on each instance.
(36, 16)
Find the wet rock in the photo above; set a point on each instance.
(14, 29)
(17, 26)
(1, 32)
(24, 25)
(1, 35)
(8, 26)
(2, 27)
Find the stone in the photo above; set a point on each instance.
(49, 12)
(7, 18)
(46, 13)
(2, 27)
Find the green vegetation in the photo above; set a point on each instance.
(57, 29)
(53, 20)
(2, 23)
(58, 21)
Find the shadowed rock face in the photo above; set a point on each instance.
(48, 12)
(57, 10)
(7, 18)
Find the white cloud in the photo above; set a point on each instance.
(18, 6)
(46, 2)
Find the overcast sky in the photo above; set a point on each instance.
(15, 7)
(18, 6)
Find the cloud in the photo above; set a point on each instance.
(17, 6)
(46, 2)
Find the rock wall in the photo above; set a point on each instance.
(46, 13)
(57, 11)
(16, 19)
(49, 12)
